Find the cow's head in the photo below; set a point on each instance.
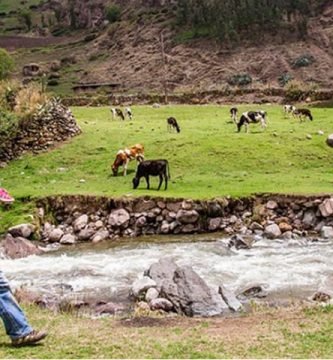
(115, 170)
(135, 182)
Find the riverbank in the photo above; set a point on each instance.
(293, 332)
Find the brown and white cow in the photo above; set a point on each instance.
(124, 156)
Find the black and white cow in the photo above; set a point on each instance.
(172, 124)
(128, 113)
(254, 117)
(288, 109)
(233, 114)
(154, 168)
(116, 112)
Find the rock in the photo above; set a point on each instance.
(233, 219)
(287, 235)
(68, 239)
(80, 223)
(214, 224)
(119, 218)
(230, 299)
(85, 234)
(256, 226)
(187, 204)
(151, 294)
(309, 136)
(55, 235)
(190, 295)
(100, 236)
(321, 297)
(285, 227)
(173, 206)
(161, 304)
(18, 247)
(144, 205)
(329, 140)
(326, 232)
(165, 227)
(271, 205)
(162, 270)
(98, 224)
(320, 132)
(238, 242)
(253, 291)
(141, 222)
(187, 216)
(140, 286)
(108, 308)
(24, 230)
(309, 219)
(219, 248)
(272, 231)
(156, 106)
(326, 207)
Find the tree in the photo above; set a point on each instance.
(6, 64)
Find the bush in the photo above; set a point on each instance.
(240, 80)
(284, 79)
(26, 17)
(8, 125)
(113, 13)
(53, 82)
(6, 64)
(304, 60)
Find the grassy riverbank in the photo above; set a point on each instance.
(266, 333)
(207, 158)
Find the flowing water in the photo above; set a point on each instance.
(287, 269)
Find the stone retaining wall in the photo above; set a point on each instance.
(53, 123)
(87, 218)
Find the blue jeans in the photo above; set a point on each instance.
(16, 324)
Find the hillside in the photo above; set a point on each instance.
(127, 53)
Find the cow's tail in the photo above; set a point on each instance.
(169, 176)
(310, 116)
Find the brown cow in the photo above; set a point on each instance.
(123, 157)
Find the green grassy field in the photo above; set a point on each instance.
(207, 158)
(266, 333)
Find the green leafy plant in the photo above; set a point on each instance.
(113, 13)
(6, 64)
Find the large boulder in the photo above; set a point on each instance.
(230, 299)
(140, 286)
(19, 247)
(190, 295)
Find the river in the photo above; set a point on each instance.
(287, 269)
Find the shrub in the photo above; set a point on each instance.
(26, 17)
(53, 82)
(6, 64)
(304, 60)
(240, 80)
(284, 79)
(113, 13)
(8, 125)
(296, 90)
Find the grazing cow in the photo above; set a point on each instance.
(233, 114)
(123, 157)
(302, 114)
(288, 109)
(172, 124)
(128, 112)
(252, 117)
(116, 112)
(155, 168)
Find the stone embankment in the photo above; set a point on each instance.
(51, 124)
(94, 219)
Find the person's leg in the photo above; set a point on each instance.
(16, 323)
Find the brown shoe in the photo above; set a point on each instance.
(32, 338)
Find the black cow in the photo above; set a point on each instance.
(172, 124)
(252, 117)
(303, 113)
(233, 114)
(155, 168)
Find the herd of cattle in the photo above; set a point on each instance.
(160, 167)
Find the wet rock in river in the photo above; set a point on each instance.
(272, 231)
(18, 247)
(256, 291)
(327, 232)
(230, 299)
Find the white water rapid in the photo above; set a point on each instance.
(288, 269)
